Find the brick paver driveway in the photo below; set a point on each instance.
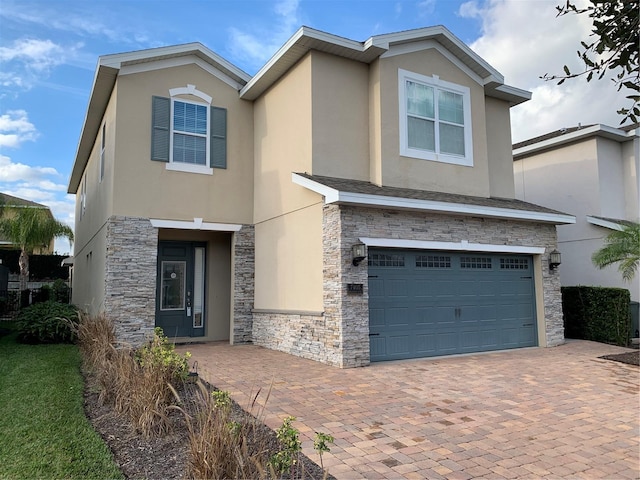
(533, 413)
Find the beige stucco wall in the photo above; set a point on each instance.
(375, 124)
(408, 172)
(288, 266)
(89, 272)
(340, 117)
(288, 258)
(145, 188)
(499, 152)
(89, 233)
(218, 278)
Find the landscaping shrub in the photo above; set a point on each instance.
(47, 322)
(597, 313)
(218, 445)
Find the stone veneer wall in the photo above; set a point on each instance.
(305, 334)
(243, 283)
(130, 277)
(341, 336)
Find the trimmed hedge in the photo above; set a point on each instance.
(47, 322)
(597, 313)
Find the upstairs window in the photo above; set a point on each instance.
(102, 148)
(435, 119)
(190, 136)
(190, 133)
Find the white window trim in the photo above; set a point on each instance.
(190, 167)
(405, 150)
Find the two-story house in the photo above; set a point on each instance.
(351, 202)
(590, 171)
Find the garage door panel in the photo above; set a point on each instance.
(447, 342)
(425, 344)
(398, 345)
(376, 317)
(449, 302)
(397, 317)
(396, 287)
(376, 288)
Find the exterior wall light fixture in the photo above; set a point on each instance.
(358, 252)
(555, 259)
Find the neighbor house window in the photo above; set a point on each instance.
(191, 136)
(435, 119)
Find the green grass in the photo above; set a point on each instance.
(44, 432)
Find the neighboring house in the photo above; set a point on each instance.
(15, 202)
(222, 206)
(591, 172)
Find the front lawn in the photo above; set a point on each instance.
(44, 431)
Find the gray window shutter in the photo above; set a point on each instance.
(218, 141)
(160, 123)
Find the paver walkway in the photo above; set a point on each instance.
(532, 413)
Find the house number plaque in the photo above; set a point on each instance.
(355, 288)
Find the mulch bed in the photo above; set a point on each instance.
(166, 457)
(631, 358)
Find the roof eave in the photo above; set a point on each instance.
(103, 83)
(598, 130)
(332, 195)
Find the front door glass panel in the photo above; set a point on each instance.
(198, 287)
(172, 293)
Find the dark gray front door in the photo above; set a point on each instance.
(181, 289)
(426, 303)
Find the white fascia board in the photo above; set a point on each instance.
(387, 40)
(196, 224)
(456, 208)
(604, 130)
(604, 223)
(515, 95)
(178, 62)
(303, 32)
(331, 195)
(405, 48)
(335, 196)
(119, 60)
(463, 246)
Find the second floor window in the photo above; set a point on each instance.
(190, 132)
(435, 119)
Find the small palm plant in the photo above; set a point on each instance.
(30, 227)
(623, 247)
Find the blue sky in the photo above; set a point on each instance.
(49, 50)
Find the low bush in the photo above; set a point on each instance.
(47, 322)
(219, 447)
(597, 313)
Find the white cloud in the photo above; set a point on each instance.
(524, 40)
(252, 47)
(18, 172)
(426, 7)
(27, 60)
(16, 128)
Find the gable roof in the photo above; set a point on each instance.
(567, 135)
(307, 39)
(358, 192)
(304, 40)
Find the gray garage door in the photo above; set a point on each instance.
(426, 303)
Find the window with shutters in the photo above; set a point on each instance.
(189, 135)
(435, 119)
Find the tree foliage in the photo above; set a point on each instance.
(623, 247)
(29, 228)
(612, 48)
